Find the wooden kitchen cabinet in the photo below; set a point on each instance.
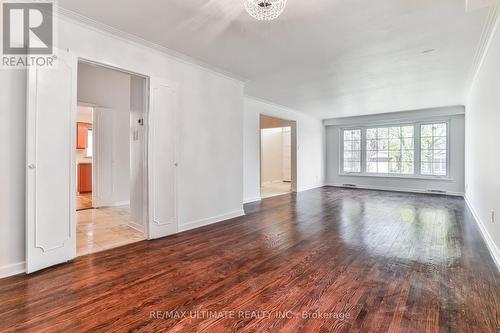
(84, 177)
(82, 132)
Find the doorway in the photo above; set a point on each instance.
(51, 173)
(277, 156)
(110, 155)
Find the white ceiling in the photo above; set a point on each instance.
(328, 58)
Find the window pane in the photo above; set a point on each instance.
(352, 155)
(426, 130)
(352, 150)
(383, 144)
(383, 133)
(407, 144)
(408, 156)
(407, 167)
(407, 131)
(371, 167)
(439, 143)
(394, 144)
(433, 149)
(352, 145)
(371, 133)
(390, 150)
(394, 132)
(371, 145)
(439, 129)
(426, 143)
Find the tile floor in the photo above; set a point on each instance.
(83, 201)
(104, 228)
(274, 189)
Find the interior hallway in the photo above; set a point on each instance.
(276, 188)
(103, 229)
(396, 262)
(83, 201)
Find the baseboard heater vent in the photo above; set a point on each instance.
(349, 185)
(436, 191)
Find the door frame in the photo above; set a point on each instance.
(293, 126)
(145, 158)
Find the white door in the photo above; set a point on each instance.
(51, 170)
(162, 163)
(103, 134)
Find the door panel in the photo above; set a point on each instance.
(51, 173)
(162, 160)
(103, 133)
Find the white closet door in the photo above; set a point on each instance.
(51, 169)
(103, 134)
(162, 159)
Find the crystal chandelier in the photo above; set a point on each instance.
(265, 10)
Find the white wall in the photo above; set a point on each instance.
(310, 147)
(12, 170)
(272, 155)
(110, 89)
(210, 125)
(482, 168)
(453, 185)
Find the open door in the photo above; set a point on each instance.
(103, 132)
(51, 171)
(162, 163)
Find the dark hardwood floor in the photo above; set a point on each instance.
(366, 261)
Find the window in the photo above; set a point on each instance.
(390, 150)
(90, 143)
(352, 150)
(405, 150)
(433, 149)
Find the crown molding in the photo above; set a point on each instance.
(489, 28)
(279, 106)
(100, 27)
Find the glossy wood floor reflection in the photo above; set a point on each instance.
(386, 262)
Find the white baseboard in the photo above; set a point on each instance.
(245, 201)
(310, 188)
(211, 220)
(122, 203)
(13, 269)
(492, 247)
(137, 226)
(395, 189)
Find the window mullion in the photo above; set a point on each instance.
(417, 142)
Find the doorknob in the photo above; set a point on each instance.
(176, 164)
(31, 166)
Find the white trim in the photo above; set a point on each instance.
(13, 269)
(122, 203)
(490, 244)
(417, 149)
(396, 189)
(137, 226)
(211, 220)
(489, 30)
(303, 189)
(398, 117)
(386, 175)
(250, 200)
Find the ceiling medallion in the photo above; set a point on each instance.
(265, 10)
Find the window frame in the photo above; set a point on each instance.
(417, 127)
(447, 175)
(342, 150)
